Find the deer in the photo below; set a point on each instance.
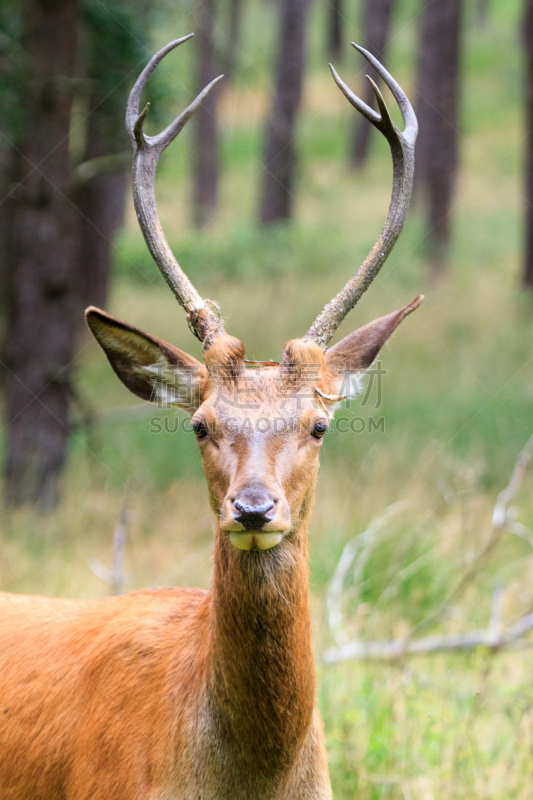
(183, 694)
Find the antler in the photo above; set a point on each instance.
(402, 150)
(146, 151)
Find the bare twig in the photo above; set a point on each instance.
(116, 415)
(463, 582)
(112, 416)
(357, 550)
(101, 165)
(396, 648)
(501, 514)
(494, 637)
(115, 577)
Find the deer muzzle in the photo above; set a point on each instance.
(255, 518)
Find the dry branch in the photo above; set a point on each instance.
(493, 637)
(115, 577)
(100, 165)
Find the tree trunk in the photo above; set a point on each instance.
(437, 111)
(43, 287)
(279, 151)
(335, 10)
(11, 72)
(205, 142)
(233, 44)
(100, 200)
(7, 155)
(528, 45)
(376, 29)
(101, 203)
(112, 48)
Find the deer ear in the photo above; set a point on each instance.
(150, 368)
(356, 352)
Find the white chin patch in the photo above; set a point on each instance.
(255, 540)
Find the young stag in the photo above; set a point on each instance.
(183, 694)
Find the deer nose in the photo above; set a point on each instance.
(253, 515)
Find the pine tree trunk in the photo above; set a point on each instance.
(279, 150)
(233, 44)
(335, 9)
(43, 272)
(376, 29)
(205, 142)
(111, 48)
(100, 201)
(12, 61)
(438, 119)
(6, 225)
(528, 45)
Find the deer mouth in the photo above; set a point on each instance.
(255, 540)
(254, 517)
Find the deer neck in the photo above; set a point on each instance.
(261, 675)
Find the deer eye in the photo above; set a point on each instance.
(200, 429)
(319, 429)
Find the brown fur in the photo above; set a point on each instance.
(182, 694)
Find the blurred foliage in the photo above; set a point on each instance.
(11, 69)
(116, 47)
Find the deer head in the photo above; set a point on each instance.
(259, 426)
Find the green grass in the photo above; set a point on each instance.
(457, 405)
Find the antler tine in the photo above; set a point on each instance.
(408, 115)
(146, 152)
(132, 106)
(402, 151)
(367, 112)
